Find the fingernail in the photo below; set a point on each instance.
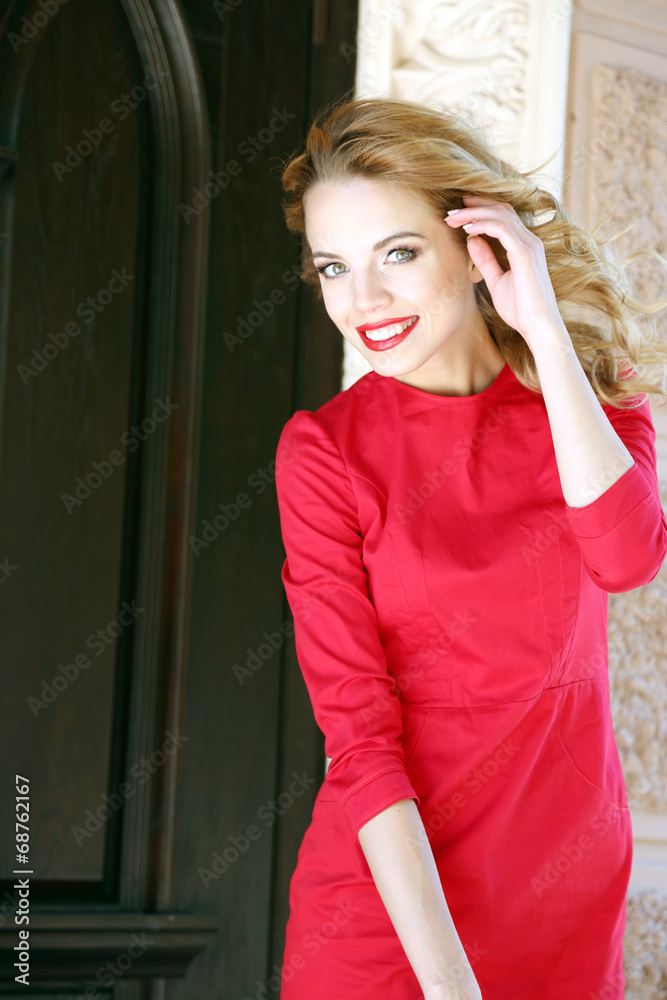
(453, 211)
(468, 225)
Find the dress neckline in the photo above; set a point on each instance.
(497, 383)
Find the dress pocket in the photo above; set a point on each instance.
(586, 738)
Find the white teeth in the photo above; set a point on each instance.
(385, 332)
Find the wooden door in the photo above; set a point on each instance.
(140, 238)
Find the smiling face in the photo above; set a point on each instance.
(395, 279)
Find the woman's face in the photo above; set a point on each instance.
(386, 261)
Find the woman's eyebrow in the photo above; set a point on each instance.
(378, 246)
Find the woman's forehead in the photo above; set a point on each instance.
(377, 206)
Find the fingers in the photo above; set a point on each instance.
(493, 218)
(485, 261)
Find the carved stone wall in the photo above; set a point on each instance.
(645, 947)
(637, 658)
(629, 133)
(616, 168)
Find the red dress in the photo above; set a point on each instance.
(450, 616)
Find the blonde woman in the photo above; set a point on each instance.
(453, 523)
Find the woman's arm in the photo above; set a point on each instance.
(402, 864)
(590, 455)
(605, 456)
(607, 466)
(344, 665)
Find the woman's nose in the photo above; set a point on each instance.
(370, 292)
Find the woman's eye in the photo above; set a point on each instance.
(336, 265)
(401, 250)
(404, 254)
(325, 268)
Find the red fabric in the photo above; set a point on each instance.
(450, 622)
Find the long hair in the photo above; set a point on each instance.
(441, 157)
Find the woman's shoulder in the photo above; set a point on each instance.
(319, 449)
(339, 416)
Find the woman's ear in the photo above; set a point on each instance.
(474, 273)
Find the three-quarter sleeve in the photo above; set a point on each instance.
(336, 631)
(622, 534)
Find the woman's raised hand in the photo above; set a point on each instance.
(523, 296)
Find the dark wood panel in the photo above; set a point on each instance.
(149, 356)
(255, 727)
(73, 948)
(66, 428)
(230, 774)
(318, 355)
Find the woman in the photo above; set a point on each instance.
(452, 524)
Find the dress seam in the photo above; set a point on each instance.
(344, 464)
(385, 770)
(608, 534)
(503, 704)
(573, 634)
(542, 611)
(370, 483)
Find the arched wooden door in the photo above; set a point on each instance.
(103, 133)
(130, 248)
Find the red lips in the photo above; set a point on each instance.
(386, 345)
(382, 322)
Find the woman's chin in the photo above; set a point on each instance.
(384, 364)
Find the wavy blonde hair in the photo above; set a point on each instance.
(442, 157)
